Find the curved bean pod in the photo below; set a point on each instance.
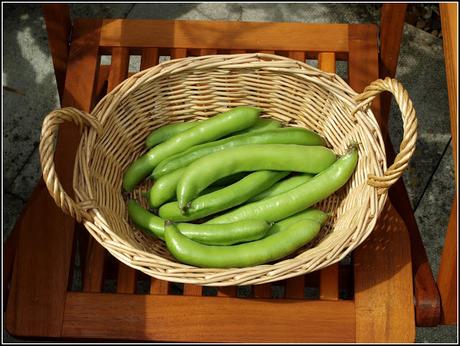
(208, 130)
(224, 198)
(287, 135)
(257, 252)
(262, 124)
(280, 157)
(283, 186)
(164, 189)
(218, 235)
(311, 214)
(300, 198)
(163, 133)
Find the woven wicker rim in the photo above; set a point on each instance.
(343, 113)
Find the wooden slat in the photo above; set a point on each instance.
(447, 277)
(178, 53)
(227, 291)
(126, 279)
(210, 319)
(159, 286)
(40, 276)
(383, 275)
(189, 289)
(58, 26)
(295, 287)
(94, 266)
(329, 276)
(149, 58)
(391, 30)
(102, 81)
(224, 35)
(262, 291)
(118, 67)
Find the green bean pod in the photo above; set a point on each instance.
(265, 250)
(163, 133)
(283, 186)
(287, 135)
(218, 235)
(310, 213)
(300, 198)
(224, 198)
(164, 189)
(216, 127)
(252, 157)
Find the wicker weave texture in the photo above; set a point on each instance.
(197, 88)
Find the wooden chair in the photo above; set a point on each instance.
(368, 299)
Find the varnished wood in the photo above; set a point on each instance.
(447, 277)
(94, 266)
(207, 319)
(58, 27)
(159, 286)
(262, 291)
(224, 35)
(449, 22)
(382, 264)
(384, 307)
(126, 280)
(149, 57)
(227, 291)
(40, 278)
(391, 30)
(329, 276)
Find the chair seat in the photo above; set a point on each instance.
(368, 299)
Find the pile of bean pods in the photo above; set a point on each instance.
(236, 189)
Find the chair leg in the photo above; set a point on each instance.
(447, 277)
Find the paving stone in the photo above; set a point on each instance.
(433, 212)
(27, 69)
(12, 207)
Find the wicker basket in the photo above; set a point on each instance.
(199, 87)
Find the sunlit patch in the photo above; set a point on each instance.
(33, 53)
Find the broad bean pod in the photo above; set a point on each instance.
(300, 198)
(165, 132)
(265, 250)
(218, 235)
(281, 157)
(208, 130)
(287, 135)
(224, 198)
(283, 186)
(310, 213)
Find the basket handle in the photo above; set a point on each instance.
(407, 146)
(47, 148)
